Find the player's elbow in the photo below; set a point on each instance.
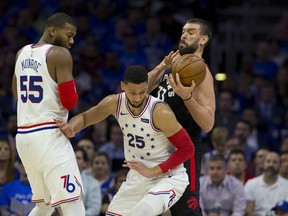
(68, 94)
(69, 103)
(207, 128)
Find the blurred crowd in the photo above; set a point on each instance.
(252, 103)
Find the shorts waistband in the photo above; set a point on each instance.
(36, 127)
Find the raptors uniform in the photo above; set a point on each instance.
(46, 153)
(190, 204)
(145, 143)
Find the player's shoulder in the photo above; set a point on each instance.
(59, 52)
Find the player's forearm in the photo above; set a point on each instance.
(203, 117)
(154, 77)
(77, 123)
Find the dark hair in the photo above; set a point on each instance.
(84, 153)
(205, 27)
(236, 152)
(217, 158)
(136, 74)
(59, 19)
(99, 154)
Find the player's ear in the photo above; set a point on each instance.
(52, 31)
(122, 86)
(204, 40)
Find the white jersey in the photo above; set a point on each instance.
(142, 140)
(38, 95)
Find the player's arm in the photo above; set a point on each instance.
(14, 79)
(199, 100)
(165, 119)
(60, 65)
(101, 111)
(155, 75)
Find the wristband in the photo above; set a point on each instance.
(188, 98)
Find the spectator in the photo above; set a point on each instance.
(225, 116)
(221, 194)
(237, 166)
(92, 199)
(256, 166)
(284, 144)
(115, 147)
(284, 165)
(120, 177)
(258, 136)
(281, 208)
(88, 146)
(16, 195)
(219, 137)
(243, 130)
(100, 170)
(232, 143)
(7, 170)
(263, 192)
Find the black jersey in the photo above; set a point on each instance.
(165, 93)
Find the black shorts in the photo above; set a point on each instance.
(188, 204)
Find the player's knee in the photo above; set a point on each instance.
(41, 209)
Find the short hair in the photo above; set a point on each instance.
(217, 158)
(236, 152)
(84, 153)
(59, 19)
(205, 27)
(136, 74)
(219, 134)
(99, 154)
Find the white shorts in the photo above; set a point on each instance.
(51, 166)
(160, 193)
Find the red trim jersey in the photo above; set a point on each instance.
(38, 95)
(142, 140)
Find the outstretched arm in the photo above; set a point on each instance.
(102, 110)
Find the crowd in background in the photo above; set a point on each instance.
(252, 103)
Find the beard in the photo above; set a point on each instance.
(271, 171)
(59, 42)
(134, 106)
(184, 48)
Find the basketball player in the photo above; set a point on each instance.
(155, 146)
(193, 106)
(45, 89)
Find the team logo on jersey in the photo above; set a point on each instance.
(193, 203)
(145, 120)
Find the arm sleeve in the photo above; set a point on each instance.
(185, 150)
(68, 94)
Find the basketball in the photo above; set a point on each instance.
(189, 67)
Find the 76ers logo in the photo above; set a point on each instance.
(192, 203)
(70, 187)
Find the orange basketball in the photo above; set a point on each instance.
(189, 67)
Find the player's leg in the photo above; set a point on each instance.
(62, 176)
(75, 208)
(188, 205)
(41, 209)
(162, 195)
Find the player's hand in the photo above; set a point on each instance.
(65, 128)
(167, 61)
(182, 91)
(142, 169)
